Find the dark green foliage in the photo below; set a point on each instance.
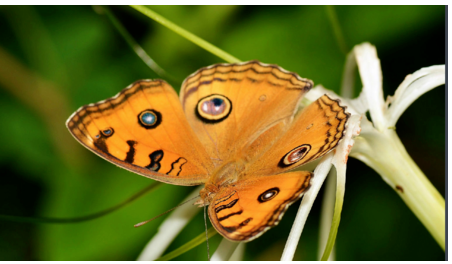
(83, 59)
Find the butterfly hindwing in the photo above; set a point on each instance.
(143, 129)
(249, 207)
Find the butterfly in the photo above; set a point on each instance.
(236, 128)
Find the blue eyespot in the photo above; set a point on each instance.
(149, 118)
(107, 132)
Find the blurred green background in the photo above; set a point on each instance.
(54, 59)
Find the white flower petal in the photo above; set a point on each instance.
(305, 207)
(348, 77)
(238, 253)
(359, 104)
(326, 215)
(371, 77)
(224, 250)
(169, 229)
(319, 90)
(343, 149)
(340, 163)
(411, 88)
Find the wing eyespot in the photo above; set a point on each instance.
(107, 132)
(295, 155)
(149, 118)
(213, 108)
(100, 141)
(268, 195)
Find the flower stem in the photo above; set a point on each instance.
(399, 170)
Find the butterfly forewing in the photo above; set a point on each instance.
(143, 129)
(229, 105)
(313, 133)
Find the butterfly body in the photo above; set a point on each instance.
(236, 129)
(224, 177)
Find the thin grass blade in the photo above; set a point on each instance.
(50, 220)
(189, 245)
(184, 33)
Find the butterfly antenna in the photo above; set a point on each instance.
(207, 237)
(147, 221)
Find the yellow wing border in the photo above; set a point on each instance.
(341, 115)
(298, 82)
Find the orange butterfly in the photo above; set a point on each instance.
(236, 130)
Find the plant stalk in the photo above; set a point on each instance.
(399, 170)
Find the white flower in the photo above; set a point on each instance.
(377, 145)
(374, 143)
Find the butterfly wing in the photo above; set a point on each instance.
(143, 129)
(229, 105)
(312, 133)
(245, 210)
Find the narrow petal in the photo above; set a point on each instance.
(238, 253)
(343, 149)
(371, 77)
(360, 104)
(305, 207)
(354, 106)
(340, 163)
(169, 229)
(348, 77)
(326, 215)
(224, 250)
(411, 88)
